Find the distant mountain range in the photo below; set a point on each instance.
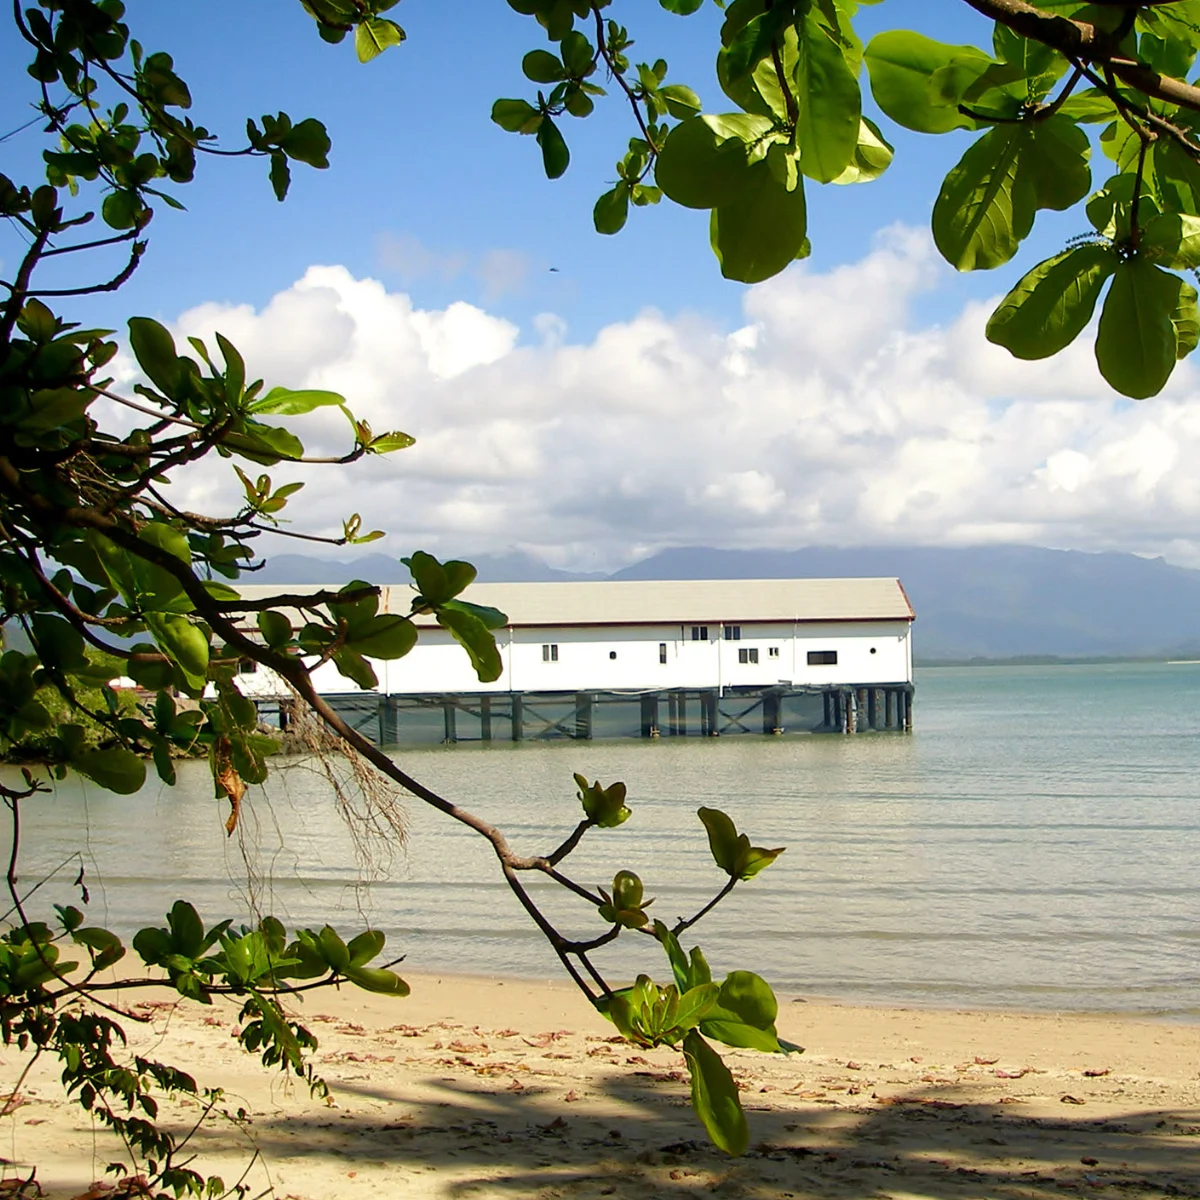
(978, 602)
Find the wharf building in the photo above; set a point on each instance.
(653, 659)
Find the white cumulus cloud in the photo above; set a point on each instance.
(829, 416)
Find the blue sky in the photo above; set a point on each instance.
(630, 398)
(418, 163)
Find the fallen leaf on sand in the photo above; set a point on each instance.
(542, 1040)
(1011, 1074)
(1068, 1099)
(516, 1086)
(572, 1096)
(980, 1061)
(1097, 1072)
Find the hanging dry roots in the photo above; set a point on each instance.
(368, 803)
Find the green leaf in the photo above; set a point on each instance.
(986, 205)
(389, 443)
(555, 155)
(378, 980)
(872, 156)
(353, 666)
(753, 859)
(612, 210)
(493, 618)
(1035, 60)
(475, 637)
(827, 130)
(675, 955)
(1186, 319)
(704, 161)
(185, 644)
(275, 628)
(280, 175)
(1136, 342)
(106, 946)
(1056, 160)
(760, 232)
(375, 35)
(516, 116)
(187, 930)
(335, 952)
(682, 8)
(722, 838)
(283, 402)
(715, 1096)
(387, 636)
(682, 103)
(366, 946)
(902, 65)
(750, 997)
(154, 349)
(439, 582)
(115, 769)
(604, 806)
(1173, 240)
(543, 67)
(308, 142)
(744, 1014)
(1052, 304)
(694, 1004)
(121, 209)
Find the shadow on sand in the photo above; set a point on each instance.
(645, 1142)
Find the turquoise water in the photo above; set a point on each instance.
(1033, 844)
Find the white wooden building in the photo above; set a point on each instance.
(844, 639)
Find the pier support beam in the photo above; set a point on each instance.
(708, 720)
(485, 718)
(770, 707)
(650, 715)
(518, 717)
(583, 717)
(851, 702)
(449, 715)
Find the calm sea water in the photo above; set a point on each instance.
(1034, 844)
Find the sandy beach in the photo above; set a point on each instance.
(504, 1088)
(487, 1087)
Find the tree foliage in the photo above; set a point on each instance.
(792, 74)
(98, 561)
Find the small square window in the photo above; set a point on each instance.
(733, 633)
(550, 653)
(612, 654)
(247, 666)
(748, 654)
(699, 633)
(662, 652)
(773, 652)
(822, 658)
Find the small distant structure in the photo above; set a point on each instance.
(640, 659)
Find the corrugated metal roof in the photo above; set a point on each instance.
(670, 602)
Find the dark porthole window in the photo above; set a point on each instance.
(612, 654)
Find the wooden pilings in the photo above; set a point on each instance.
(857, 709)
(694, 712)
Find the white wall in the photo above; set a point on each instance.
(868, 653)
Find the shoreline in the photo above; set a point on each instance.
(482, 1086)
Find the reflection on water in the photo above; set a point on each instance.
(1031, 845)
